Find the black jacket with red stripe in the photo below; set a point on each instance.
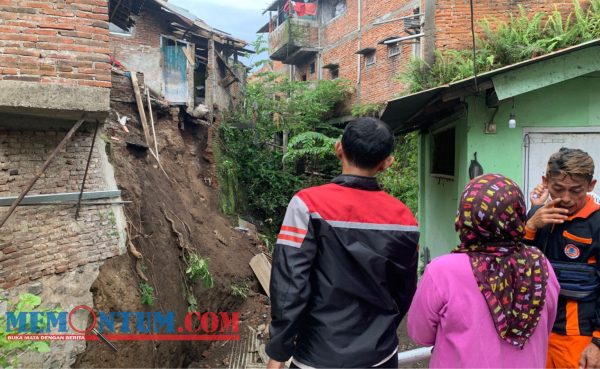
(577, 241)
(344, 274)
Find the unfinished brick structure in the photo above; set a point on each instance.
(385, 34)
(183, 59)
(54, 69)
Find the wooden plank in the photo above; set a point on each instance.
(140, 105)
(261, 266)
(188, 56)
(62, 197)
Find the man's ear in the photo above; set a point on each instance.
(386, 163)
(591, 185)
(545, 181)
(339, 150)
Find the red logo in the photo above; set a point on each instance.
(572, 251)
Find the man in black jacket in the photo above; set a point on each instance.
(567, 230)
(345, 263)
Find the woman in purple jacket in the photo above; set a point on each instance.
(492, 302)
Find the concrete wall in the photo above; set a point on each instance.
(43, 240)
(55, 41)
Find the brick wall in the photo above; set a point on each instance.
(141, 50)
(43, 240)
(55, 41)
(341, 37)
(453, 17)
(341, 26)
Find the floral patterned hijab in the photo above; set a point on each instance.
(511, 276)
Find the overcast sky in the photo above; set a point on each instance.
(240, 18)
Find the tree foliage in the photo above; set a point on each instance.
(401, 180)
(258, 176)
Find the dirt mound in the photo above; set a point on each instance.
(187, 201)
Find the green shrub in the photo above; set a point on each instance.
(147, 294)
(11, 349)
(240, 289)
(198, 269)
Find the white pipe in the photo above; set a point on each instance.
(393, 41)
(412, 356)
(397, 19)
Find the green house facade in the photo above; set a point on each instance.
(554, 102)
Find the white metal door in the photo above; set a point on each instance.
(540, 145)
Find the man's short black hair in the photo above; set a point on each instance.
(367, 142)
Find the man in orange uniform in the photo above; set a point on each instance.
(564, 223)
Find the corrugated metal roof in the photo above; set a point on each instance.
(191, 20)
(399, 111)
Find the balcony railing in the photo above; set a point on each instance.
(294, 40)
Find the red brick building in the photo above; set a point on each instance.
(348, 39)
(370, 42)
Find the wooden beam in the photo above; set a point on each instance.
(227, 65)
(27, 188)
(547, 72)
(188, 56)
(140, 105)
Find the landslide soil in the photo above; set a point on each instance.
(188, 195)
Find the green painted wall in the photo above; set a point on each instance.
(573, 103)
(437, 207)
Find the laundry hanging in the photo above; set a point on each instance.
(310, 8)
(299, 8)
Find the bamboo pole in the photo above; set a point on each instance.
(140, 105)
(152, 125)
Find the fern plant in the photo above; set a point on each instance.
(309, 144)
(515, 40)
(367, 110)
(507, 42)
